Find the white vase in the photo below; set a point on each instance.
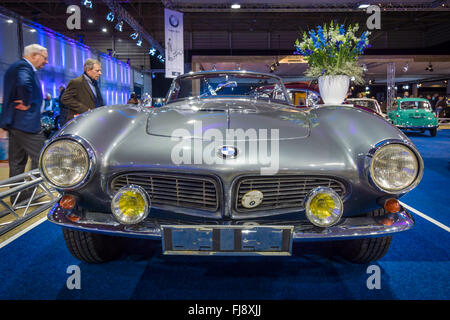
(333, 89)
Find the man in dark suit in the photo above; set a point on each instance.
(82, 93)
(21, 113)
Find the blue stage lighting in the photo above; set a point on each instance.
(139, 43)
(152, 52)
(134, 35)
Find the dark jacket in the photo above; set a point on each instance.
(21, 83)
(78, 97)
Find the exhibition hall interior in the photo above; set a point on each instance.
(219, 152)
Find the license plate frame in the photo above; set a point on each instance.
(227, 240)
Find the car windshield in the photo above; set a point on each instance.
(411, 105)
(365, 103)
(228, 85)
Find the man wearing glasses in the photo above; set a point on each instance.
(21, 111)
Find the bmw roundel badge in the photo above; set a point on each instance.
(227, 152)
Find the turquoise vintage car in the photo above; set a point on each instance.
(414, 114)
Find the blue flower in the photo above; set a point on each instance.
(316, 43)
(341, 29)
(321, 36)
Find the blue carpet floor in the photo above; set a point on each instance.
(416, 267)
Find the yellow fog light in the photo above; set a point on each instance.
(130, 204)
(323, 207)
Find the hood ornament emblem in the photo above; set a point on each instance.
(227, 152)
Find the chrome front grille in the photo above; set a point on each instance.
(283, 192)
(173, 190)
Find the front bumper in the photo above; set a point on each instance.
(417, 127)
(302, 230)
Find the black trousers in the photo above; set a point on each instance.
(21, 146)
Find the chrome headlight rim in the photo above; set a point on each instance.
(403, 143)
(91, 161)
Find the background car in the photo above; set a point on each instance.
(303, 94)
(368, 103)
(229, 166)
(414, 114)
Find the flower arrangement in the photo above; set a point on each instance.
(333, 50)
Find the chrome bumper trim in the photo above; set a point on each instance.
(418, 127)
(348, 228)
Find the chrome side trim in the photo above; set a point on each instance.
(369, 158)
(348, 228)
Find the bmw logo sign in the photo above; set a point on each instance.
(173, 20)
(227, 152)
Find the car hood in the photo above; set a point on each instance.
(211, 118)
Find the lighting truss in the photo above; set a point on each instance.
(115, 7)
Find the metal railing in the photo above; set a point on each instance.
(16, 203)
(444, 120)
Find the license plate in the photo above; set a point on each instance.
(227, 240)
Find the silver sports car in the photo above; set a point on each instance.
(229, 167)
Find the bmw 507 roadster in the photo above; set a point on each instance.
(229, 167)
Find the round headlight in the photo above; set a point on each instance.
(323, 207)
(130, 204)
(394, 167)
(65, 163)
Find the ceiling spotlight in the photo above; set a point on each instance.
(105, 30)
(110, 17)
(134, 35)
(273, 66)
(90, 21)
(363, 6)
(406, 67)
(119, 26)
(371, 81)
(10, 21)
(235, 6)
(429, 68)
(87, 4)
(419, 85)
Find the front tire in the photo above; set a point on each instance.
(433, 132)
(91, 247)
(367, 249)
